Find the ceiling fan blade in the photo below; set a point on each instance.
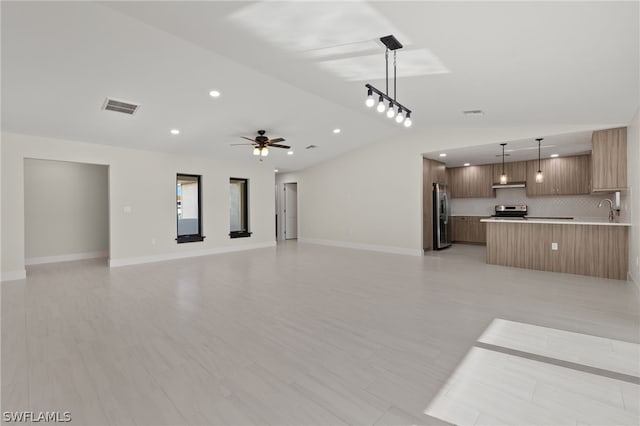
(275, 145)
(276, 140)
(252, 140)
(235, 144)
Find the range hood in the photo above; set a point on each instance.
(509, 185)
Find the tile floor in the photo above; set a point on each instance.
(299, 334)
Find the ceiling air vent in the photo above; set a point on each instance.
(473, 112)
(120, 106)
(311, 147)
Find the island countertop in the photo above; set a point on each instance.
(574, 221)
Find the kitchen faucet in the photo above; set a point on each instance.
(611, 209)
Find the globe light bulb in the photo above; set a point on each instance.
(380, 107)
(391, 112)
(256, 151)
(370, 101)
(407, 121)
(399, 117)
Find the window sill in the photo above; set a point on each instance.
(240, 234)
(190, 239)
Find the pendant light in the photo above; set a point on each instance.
(503, 176)
(394, 110)
(539, 175)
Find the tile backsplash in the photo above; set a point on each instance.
(567, 205)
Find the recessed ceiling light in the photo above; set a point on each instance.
(443, 155)
(555, 155)
(214, 94)
(175, 131)
(336, 131)
(275, 170)
(467, 164)
(289, 152)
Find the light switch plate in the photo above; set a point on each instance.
(554, 246)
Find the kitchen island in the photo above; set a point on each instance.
(578, 246)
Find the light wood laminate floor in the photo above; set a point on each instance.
(298, 334)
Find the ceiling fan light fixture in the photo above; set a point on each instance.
(256, 151)
(264, 151)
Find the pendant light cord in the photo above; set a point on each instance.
(395, 96)
(386, 62)
(539, 155)
(503, 158)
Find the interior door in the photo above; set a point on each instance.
(290, 211)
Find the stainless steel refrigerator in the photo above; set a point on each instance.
(441, 217)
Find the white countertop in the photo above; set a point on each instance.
(574, 221)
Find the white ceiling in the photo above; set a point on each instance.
(519, 150)
(296, 70)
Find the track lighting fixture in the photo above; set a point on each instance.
(539, 175)
(503, 176)
(392, 44)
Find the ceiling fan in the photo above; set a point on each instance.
(261, 144)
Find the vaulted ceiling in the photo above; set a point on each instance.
(298, 69)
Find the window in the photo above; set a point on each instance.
(188, 209)
(238, 203)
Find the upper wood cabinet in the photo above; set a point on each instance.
(516, 171)
(471, 181)
(562, 176)
(609, 159)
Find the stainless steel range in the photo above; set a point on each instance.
(511, 212)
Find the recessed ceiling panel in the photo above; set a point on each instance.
(317, 28)
(410, 63)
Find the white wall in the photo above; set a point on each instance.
(146, 183)
(633, 181)
(66, 209)
(372, 198)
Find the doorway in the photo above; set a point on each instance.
(290, 211)
(66, 211)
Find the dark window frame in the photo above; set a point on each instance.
(245, 211)
(193, 237)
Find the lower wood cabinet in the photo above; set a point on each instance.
(595, 250)
(468, 229)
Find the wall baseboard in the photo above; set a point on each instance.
(66, 257)
(368, 247)
(114, 263)
(14, 275)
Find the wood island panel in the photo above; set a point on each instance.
(594, 250)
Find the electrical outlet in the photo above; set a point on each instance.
(554, 246)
